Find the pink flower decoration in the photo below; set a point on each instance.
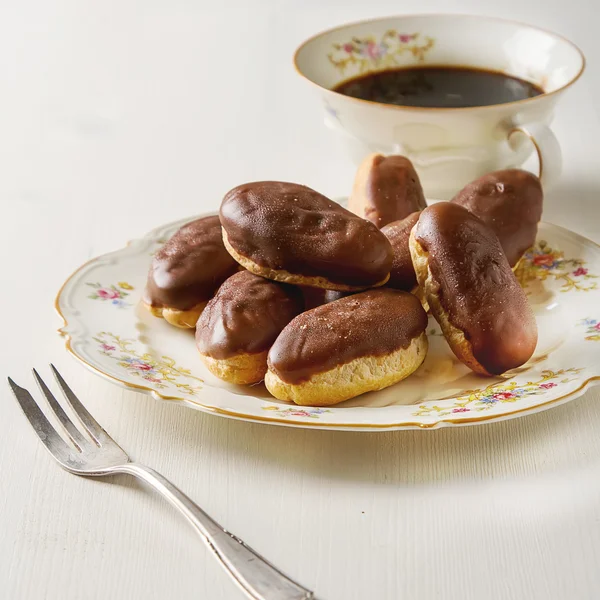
(547, 386)
(504, 395)
(597, 326)
(580, 271)
(108, 294)
(152, 379)
(405, 38)
(107, 348)
(543, 260)
(300, 413)
(373, 50)
(348, 48)
(141, 366)
(457, 410)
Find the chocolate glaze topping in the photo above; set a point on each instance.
(285, 226)
(510, 202)
(390, 191)
(190, 266)
(402, 275)
(476, 286)
(372, 323)
(246, 315)
(312, 296)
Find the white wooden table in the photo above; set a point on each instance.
(118, 116)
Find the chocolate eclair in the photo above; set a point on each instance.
(386, 189)
(186, 272)
(312, 296)
(402, 274)
(510, 203)
(291, 233)
(239, 325)
(360, 343)
(471, 290)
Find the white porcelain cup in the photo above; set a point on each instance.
(448, 146)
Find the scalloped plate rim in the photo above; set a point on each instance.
(66, 331)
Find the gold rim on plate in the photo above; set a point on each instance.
(438, 424)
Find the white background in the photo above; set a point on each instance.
(118, 116)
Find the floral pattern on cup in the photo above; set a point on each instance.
(593, 329)
(498, 393)
(312, 413)
(111, 293)
(162, 372)
(368, 53)
(542, 262)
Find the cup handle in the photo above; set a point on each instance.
(546, 146)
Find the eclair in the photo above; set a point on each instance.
(402, 273)
(386, 189)
(186, 272)
(313, 297)
(471, 290)
(510, 203)
(239, 325)
(291, 233)
(360, 343)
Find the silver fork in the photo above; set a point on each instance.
(100, 455)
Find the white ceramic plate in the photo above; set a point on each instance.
(107, 330)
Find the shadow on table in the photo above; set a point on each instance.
(544, 442)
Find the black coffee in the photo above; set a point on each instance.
(439, 87)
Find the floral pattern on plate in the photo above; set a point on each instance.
(368, 53)
(593, 329)
(162, 372)
(114, 294)
(488, 397)
(543, 262)
(300, 411)
(136, 349)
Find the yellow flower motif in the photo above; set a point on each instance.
(161, 372)
(124, 285)
(489, 397)
(542, 262)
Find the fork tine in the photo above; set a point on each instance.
(89, 423)
(44, 429)
(71, 430)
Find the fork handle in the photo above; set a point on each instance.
(257, 577)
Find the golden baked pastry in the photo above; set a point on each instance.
(402, 274)
(471, 290)
(290, 233)
(386, 189)
(186, 272)
(239, 325)
(510, 203)
(360, 343)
